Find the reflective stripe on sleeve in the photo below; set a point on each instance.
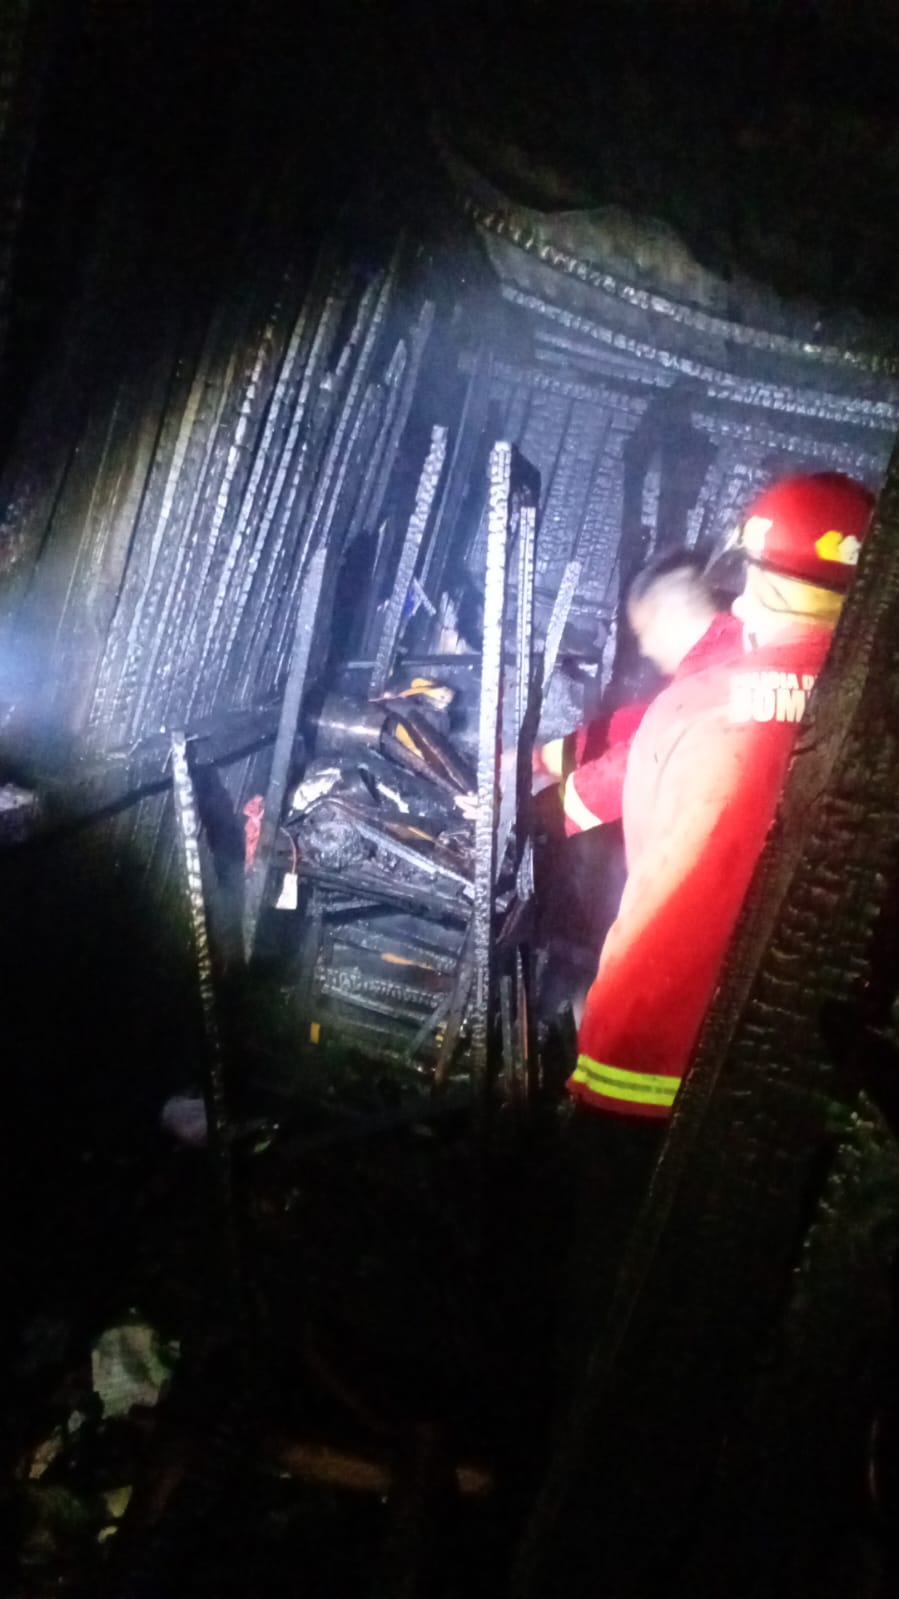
(575, 809)
(639, 1088)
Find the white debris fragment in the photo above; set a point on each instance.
(314, 788)
(130, 1365)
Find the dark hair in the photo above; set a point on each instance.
(679, 562)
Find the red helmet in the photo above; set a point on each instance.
(809, 527)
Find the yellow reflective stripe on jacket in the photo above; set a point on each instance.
(575, 809)
(640, 1088)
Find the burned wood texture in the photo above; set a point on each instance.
(402, 394)
(527, 706)
(558, 617)
(165, 487)
(304, 630)
(197, 492)
(424, 900)
(709, 1268)
(182, 453)
(321, 495)
(457, 1005)
(458, 477)
(618, 365)
(188, 839)
(489, 746)
(88, 790)
(409, 556)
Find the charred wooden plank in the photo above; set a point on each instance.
(409, 556)
(304, 629)
(489, 740)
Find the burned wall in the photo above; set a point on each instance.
(238, 379)
(656, 400)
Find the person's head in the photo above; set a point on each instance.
(669, 607)
(801, 539)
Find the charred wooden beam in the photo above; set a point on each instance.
(409, 557)
(489, 748)
(304, 631)
(188, 840)
(527, 706)
(402, 391)
(423, 900)
(83, 791)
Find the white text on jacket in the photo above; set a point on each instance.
(769, 696)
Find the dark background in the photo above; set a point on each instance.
(766, 135)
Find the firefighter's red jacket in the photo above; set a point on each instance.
(704, 774)
(593, 793)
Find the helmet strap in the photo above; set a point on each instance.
(792, 596)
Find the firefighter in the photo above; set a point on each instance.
(704, 773)
(672, 613)
(670, 608)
